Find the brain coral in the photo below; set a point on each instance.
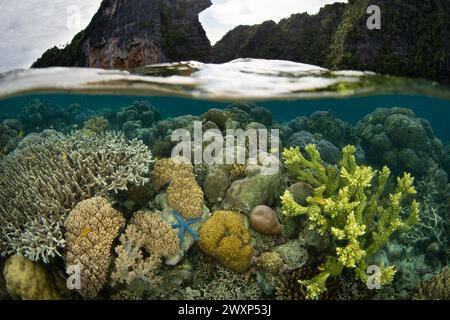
(43, 181)
(397, 138)
(225, 237)
(90, 230)
(28, 280)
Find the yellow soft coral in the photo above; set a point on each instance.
(349, 204)
(28, 280)
(225, 237)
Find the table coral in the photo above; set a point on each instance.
(65, 171)
(349, 204)
(225, 237)
(91, 228)
(28, 280)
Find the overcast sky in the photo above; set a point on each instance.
(29, 27)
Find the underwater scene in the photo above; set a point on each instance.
(249, 180)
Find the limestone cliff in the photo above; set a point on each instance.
(133, 33)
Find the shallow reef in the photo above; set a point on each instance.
(94, 206)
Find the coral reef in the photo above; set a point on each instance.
(9, 137)
(185, 195)
(397, 138)
(270, 261)
(328, 151)
(216, 183)
(96, 124)
(165, 170)
(225, 237)
(91, 228)
(325, 124)
(264, 220)
(141, 111)
(343, 207)
(28, 280)
(229, 285)
(437, 288)
(65, 171)
(131, 268)
(245, 194)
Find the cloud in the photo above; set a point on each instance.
(29, 27)
(224, 15)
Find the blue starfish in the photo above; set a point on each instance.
(184, 225)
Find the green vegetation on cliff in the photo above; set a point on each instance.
(413, 40)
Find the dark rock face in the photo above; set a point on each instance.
(413, 40)
(134, 33)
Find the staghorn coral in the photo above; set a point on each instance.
(65, 170)
(348, 204)
(28, 280)
(430, 228)
(185, 195)
(91, 228)
(437, 288)
(165, 170)
(225, 237)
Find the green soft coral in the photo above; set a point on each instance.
(349, 203)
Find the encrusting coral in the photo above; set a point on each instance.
(91, 228)
(225, 237)
(147, 234)
(42, 182)
(28, 280)
(349, 204)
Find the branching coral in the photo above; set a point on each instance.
(145, 242)
(349, 204)
(42, 182)
(131, 267)
(90, 230)
(430, 227)
(229, 285)
(437, 288)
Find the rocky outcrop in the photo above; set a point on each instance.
(134, 33)
(413, 40)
